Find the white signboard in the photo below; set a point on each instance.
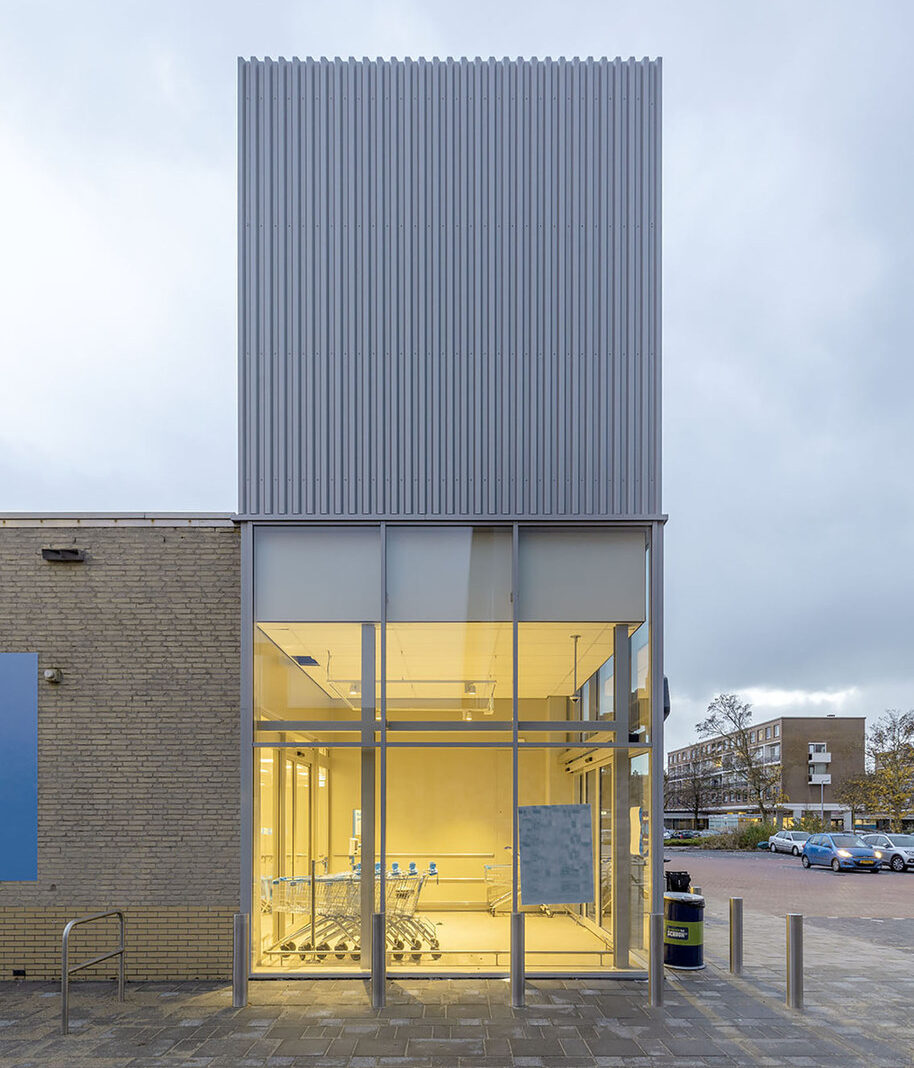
(556, 854)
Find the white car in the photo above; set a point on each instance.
(788, 842)
(897, 849)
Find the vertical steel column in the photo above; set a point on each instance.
(379, 918)
(518, 969)
(378, 960)
(518, 948)
(794, 960)
(246, 753)
(621, 814)
(736, 935)
(65, 985)
(655, 960)
(655, 604)
(240, 963)
(367, 882)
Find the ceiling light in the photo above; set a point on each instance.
(467, 716)
(354, 689)
(305, 661)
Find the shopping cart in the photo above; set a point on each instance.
(498, 886)
(333, 905)
(404, 928)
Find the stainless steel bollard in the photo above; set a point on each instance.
(240, 950)
(378, 960)
(794, 960)
(655, 960)
(517, 960)
(736, 935)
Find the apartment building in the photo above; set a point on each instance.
(808, 758)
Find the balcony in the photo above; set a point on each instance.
(821, 778)
(820, 758)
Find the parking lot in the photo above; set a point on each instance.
(858, 934)
(776, 883)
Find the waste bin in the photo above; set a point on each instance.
(683, 930)
(678, 882)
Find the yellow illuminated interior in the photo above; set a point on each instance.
(448, 810)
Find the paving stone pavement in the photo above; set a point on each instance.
(708, 1018)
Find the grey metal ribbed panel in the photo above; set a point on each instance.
(449, 288)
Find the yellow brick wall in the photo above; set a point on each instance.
(162, 943)
(138, 745)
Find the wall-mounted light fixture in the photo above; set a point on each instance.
(52, 674)
(63, 556)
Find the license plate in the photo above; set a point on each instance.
(864, 862)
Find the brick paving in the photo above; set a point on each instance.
(859, 988)
(708, 1019)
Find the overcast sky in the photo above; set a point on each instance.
(788, 312)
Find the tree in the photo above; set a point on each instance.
(858, 794)
(811, 822)
(692, 791)
(890, 748)
(730, 718)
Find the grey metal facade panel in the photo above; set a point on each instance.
(449, 288)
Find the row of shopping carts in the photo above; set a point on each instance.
(333, 907)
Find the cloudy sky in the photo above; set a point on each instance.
(788, 313)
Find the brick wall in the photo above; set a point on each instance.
(138, 745)
(844, 736)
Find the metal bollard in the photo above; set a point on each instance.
(655, 960)
(794, 960)
(378, 960)
(518, 964)
(736, 935)
(240, 950)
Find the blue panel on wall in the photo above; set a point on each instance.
(19, 767)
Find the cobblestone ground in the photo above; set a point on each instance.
(859, 985)
(707, 1019)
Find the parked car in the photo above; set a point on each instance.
(841, 852)
(788, 842)
(897, 849)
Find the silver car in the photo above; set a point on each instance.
(897, 849)
(788, 842)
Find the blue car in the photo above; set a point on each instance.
(841, 852)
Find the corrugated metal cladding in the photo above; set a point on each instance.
(449, 288)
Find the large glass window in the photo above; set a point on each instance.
(307, 886)
(384, 725)
(448, 865)
(603, 928)
(449, 631)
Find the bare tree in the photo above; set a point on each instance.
(890, 749)
(693, 791)
(730, 718)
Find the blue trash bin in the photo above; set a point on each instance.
(683, 931)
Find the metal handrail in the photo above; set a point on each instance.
(66, 970)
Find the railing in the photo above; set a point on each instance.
(66, 970)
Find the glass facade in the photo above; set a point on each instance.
(419, 691)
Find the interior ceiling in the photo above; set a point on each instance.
(439, 660)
